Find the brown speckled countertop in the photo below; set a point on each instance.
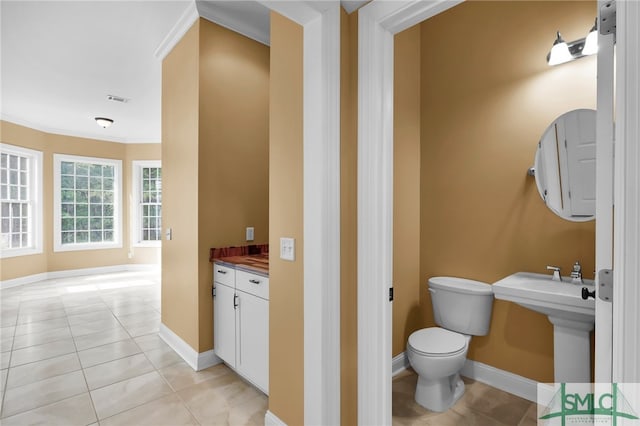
(255, 263)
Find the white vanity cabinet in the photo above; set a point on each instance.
(241, 323)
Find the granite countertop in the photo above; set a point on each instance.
(255, 263)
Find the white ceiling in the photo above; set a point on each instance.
(60, 60)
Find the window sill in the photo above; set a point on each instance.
(86, 247)
(8, 253)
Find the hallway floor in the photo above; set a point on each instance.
(481, 405)
(80, 350)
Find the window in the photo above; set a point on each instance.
(87, 206)
(147, 197)
(21, 201)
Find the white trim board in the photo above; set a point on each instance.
(29, 279)
(197, 361)
(186, 20)
(626, 233)
(399, 363)
(271, 419)
(499, 379)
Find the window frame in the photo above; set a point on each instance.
(34, 157)
(136, 208)
(57, 203)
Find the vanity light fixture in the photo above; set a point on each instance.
(104, 122)
(559, 53)
(562, 51)
(591, 42)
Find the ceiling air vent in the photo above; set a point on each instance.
(117, 99)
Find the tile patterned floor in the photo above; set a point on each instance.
(481, 405)
(85, 351)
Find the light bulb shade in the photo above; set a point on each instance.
(104, 122)
(591, 43)
(559, 52)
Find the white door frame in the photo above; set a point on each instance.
(626, 233)
(379, 21)
(604, 201)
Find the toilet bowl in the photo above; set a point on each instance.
(437, 354)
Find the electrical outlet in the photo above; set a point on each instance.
(249, 233)
(288, 249)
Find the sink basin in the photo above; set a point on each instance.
(572, 317)
(539, 293)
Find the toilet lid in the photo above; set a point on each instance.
(437, 341)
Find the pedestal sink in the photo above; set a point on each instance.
(572, 317)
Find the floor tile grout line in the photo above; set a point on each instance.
(40, 406)
(6, 379)
(50, 377)
(155, 368)
(84, 376)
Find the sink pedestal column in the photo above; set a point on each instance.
(571, 350)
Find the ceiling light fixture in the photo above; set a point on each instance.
(104, 122)
(563, 52)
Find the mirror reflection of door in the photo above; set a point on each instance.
(565, 165)
(578, 152)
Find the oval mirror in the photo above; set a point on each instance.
(565, 165)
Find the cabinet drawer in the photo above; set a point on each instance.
(253, 284)
(224, 275)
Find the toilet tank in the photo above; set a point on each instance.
(461, 305)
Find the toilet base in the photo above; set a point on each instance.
(440, 394)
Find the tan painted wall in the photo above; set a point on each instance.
(49, 144)
(349, 218)
(215, 169)
(406, 187)
(180, 90)
(233, 151)
(487, 97)
(286, 346)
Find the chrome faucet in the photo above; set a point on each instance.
(576, 273)
(556, 273)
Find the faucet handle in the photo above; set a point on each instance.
(556, 273)
(577, 267)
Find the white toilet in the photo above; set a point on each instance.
(461, 308)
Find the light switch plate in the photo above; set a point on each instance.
(169, 234)
(249, 233)
(288, 249)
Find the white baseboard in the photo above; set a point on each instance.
(197, 361)
(399, 363)
(500, 379)
(271, 419)
(29, 279)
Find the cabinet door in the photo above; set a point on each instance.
(224, 324)
(253, 336)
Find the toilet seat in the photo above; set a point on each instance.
(437, 342)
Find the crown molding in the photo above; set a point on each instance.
(186, 20)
